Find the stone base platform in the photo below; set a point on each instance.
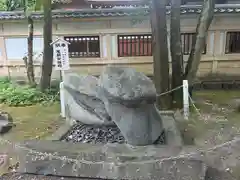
(121, 161)
(52, 159)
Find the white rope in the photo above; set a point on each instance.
(167, 92)
(195, 107)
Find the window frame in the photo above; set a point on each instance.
(190, 46)
(149, 34)
(37, 47)
(138, 45)
(88, 52)
(227, 42)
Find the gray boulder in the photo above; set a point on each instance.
(126, 86)
(129, 98)
(6, 122)
(81, 102)
(85, 84)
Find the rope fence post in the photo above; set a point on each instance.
(62, 99)
(185, 100)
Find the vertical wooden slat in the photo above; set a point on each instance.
(144, 41)
(139, 45)
(184, 45)
(135, 46)
(150, 46)
(120, 46)
(227, 48)
(130, 46)
(142, 44)
(237, 42)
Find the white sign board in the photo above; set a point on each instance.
(61, 55)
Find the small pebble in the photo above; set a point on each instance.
(94, 134)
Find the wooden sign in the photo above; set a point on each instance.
(61, 54)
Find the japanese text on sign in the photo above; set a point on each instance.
(61, 56)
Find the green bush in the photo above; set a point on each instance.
(15, 95)
(4, 83)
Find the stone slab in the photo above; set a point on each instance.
(172, 134)
(115, 161)
(61, 132)
(223, 157)
(214, 174)
(111, 161)
(26, 176)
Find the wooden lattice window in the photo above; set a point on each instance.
(187, 40)
(134, 45)
(232, 42)
(141, 45)
(83, 46)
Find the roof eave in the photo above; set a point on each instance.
(116, 12)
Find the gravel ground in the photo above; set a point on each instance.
(99, 135)
(94, 134)
(18, 176)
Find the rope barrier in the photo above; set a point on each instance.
(167, 92)
(196, 109)
(77, 161)
(44, 155)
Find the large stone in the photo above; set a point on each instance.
(139, 126)
(6, 122)
(81, 102)
(129, 98)
(125, 85)
(86, 84)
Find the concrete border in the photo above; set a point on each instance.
(61, 131)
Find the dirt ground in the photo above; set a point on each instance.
(33, 122)
(216, 119)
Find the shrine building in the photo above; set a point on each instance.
(119, 32)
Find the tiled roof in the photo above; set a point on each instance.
(117, 12)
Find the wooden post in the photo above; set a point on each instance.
(185, 99)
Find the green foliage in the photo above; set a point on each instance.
(10, 5)
(16, 95)
(3, 6)
(27, 5)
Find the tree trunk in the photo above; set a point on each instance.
(176, 54)
(160, 52)
(199, 42)
(30, 68)
(47, 52)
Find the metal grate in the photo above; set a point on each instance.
(134, 45)
(83, 46)
(232, 42)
